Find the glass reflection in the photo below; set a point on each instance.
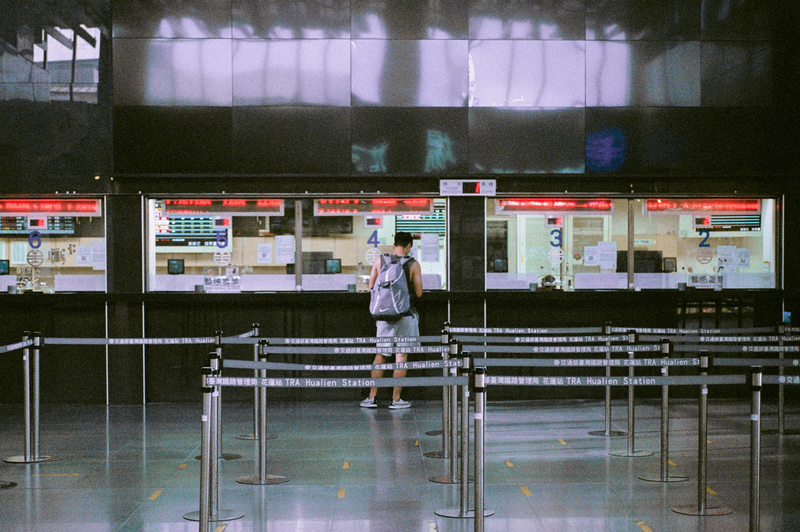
(509, 19)
(289, 19)
(409, 140)
(528, 73)
(311, 72)
(420, 73)
(172, 19)
(666, 19)
(736, 73)
(173, 72)
(410, 19)
(642, 73)
(526, 140)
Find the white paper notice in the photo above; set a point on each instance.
(264, 253)
(741, 259)
(284, 249)
(19, 252)
(83, 256)
(98, 255)
(430, 247)
(607, 255)
(725, 256)
(591, 256)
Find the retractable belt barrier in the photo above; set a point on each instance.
(456, 347)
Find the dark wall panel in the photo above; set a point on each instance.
(154, 140)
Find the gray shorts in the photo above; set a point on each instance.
(407, 326)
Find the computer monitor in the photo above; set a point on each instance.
(4, 267)
(333, 265)
(175, 266)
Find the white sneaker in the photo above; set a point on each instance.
(399, 404)
(369, 402)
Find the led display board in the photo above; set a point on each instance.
(49, 207)
(554, 205)
(702, 206)
(237, 206)
(371, 206)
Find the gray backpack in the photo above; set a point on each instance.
(390, 298)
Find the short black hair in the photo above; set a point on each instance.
(403, 239)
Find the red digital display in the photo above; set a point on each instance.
(701, 206)
(553, 205)
(240, 206)
(51, 207)
(367, 206)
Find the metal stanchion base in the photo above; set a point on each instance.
(256, 480)
(668, 479)
(252, 437)
(223, 515)
(456, 513)
(434, 432)
(21, 460)
(634, 454)
(793, 432)
(709, 511)
(446, 479)
(610, 434)
(437, 454)
(224, 456)
(4, 484)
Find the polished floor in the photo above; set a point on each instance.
(134, 468)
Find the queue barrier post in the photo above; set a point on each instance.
(479, 414)
(444, 454)
(607, 432)
(756, 382)
(263, 478)
(218, 402)
(462, 511)
(209, 457)
(254, 435)
(702, 508)
(450, 444)
(631, 451)
(664, 476)
(31, 399)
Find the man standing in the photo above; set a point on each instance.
(406, 326)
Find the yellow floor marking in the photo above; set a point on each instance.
(416, 444)
(562, 441)
(644, 527)
(346, 465)
(182, 466)
(57, 475)
(155, 495)
(671, 462)
(509, 464)
(712, 492)
(220, 528)
(526, 491)
(708, 441)
(340, 494)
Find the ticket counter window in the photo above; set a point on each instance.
(553, 244)
(705, 243)
(583, 244)
(256, 246)
(50, 245)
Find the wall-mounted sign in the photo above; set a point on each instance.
(371, 206)
(554, 206)
(463, 187)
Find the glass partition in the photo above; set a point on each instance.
(50, 245)
(584, 243)
(254, 245)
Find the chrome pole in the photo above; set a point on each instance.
(480, 408)
(756, 381)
